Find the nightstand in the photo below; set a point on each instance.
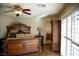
(1, 44)
(41, 39)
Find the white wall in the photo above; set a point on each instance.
(37, 22)
(4, 21)
(33, 22)
(47, 25)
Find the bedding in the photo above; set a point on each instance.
(29, 36)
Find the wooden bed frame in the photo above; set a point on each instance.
(24, 28)
(17, 46)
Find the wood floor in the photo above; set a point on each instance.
(46, 51)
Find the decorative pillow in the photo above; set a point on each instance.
(28, 36)
(19, 35)
(12, 35)
(13, 31)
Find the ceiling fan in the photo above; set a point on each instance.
(18, 10)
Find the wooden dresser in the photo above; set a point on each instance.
(20, 46)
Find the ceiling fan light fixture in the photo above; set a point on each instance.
(18, 12)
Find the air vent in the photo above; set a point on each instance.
(41, 5)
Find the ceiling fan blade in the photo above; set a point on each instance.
(8, 11)
(27, 13)
(26, 10)
(9, 7)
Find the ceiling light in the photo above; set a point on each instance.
(18, 13)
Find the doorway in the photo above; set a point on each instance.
(56, 35)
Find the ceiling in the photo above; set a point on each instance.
(37, 9)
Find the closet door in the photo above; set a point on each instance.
(56, 35)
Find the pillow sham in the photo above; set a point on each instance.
(28, 36)
(19, 35)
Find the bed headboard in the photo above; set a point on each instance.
(20, 28)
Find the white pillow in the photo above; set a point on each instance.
(19, 35)
(28, 36)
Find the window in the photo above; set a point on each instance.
(76, 26)
(63, 33)
(70, 34)
(69, 26)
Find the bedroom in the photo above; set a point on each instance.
(40, 23)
